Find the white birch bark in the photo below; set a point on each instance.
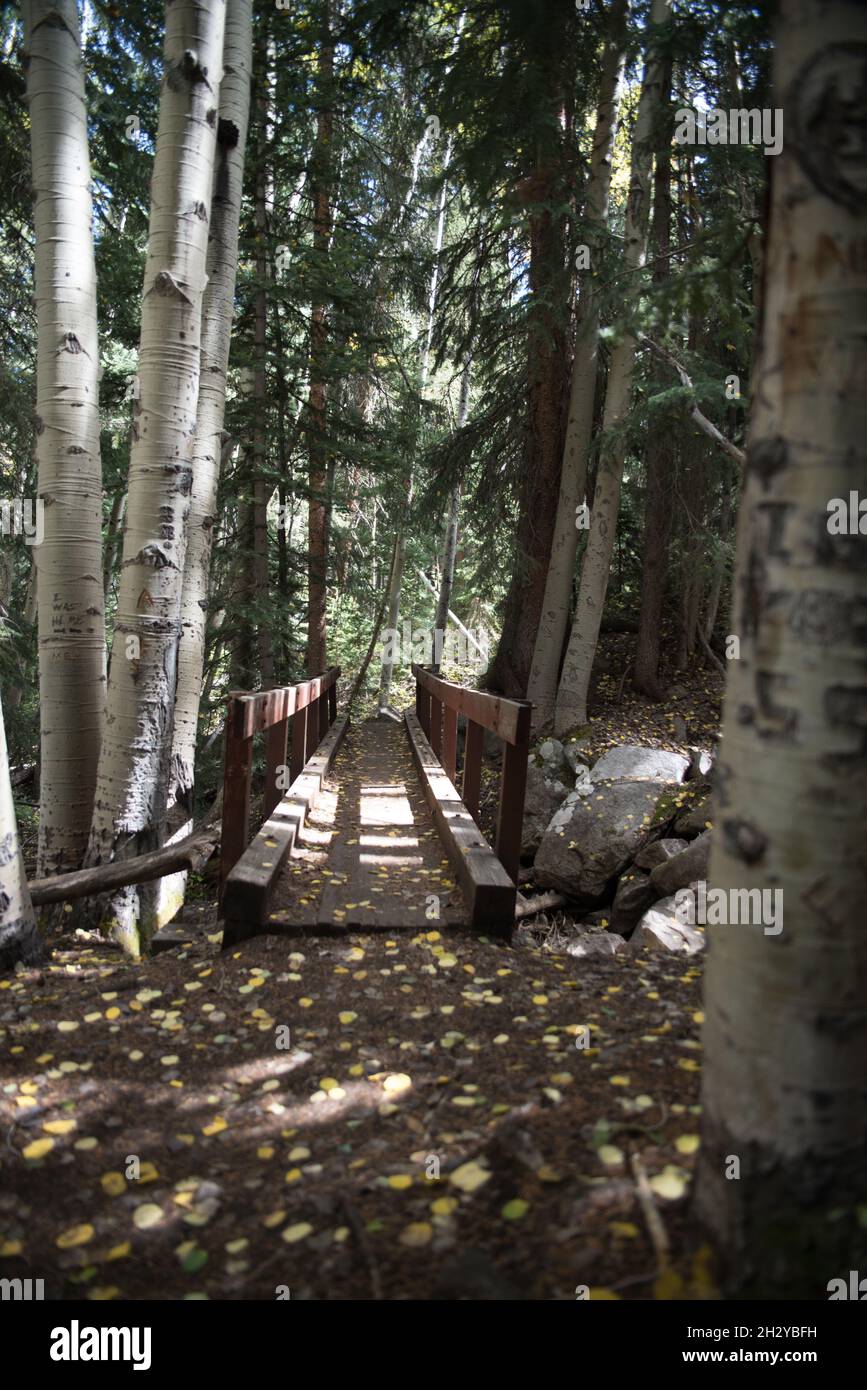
(70, 601)
(217, 319)
(542, 685)
(19, 939)
(217, 316)
(129, 814)
(785, 1037)
(571, 704)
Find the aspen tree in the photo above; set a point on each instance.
(130, 807)
(785, 1037)
(70, 602)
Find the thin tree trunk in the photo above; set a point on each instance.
(71, 608)
(785, 1037)
(320, 192)
(450, 542)
(396, 574)
(659, 463)
(572, 694)
(19, 939)
(261, 487)
(130, 805)
(715, 588)
(554, 618)
(113, 538)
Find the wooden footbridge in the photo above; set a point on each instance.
(364, 826)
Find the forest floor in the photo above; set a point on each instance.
(382, 1115)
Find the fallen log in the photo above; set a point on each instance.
(190, 854)
(529, 907)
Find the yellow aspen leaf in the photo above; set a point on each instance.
(469, 1176)
(59, 1126)
(300, 1231)
(75, 1235)
(38, 1148)
(147, 1215)
(444, 1206)
(396, 1083)
(113, 1183)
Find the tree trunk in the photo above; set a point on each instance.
(715, 587)
(211, 441)
(71, 608)
(19, 939)
(785, 1037)
(546, 192)
(399, 559)
(554, 619)
(217, 314)
(113, 538)
(130, 806)
(571, 709)
(660, 441)
(450, 541)
(320, 194)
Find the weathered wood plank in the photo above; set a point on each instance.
(489, 893)
(503, 717)
(472, 783)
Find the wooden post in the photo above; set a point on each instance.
(512, 789)
(323, 713)
(275, 759)
(435, 737)
(472, 768)
(450, 742)
(236, 790)
(312, 729)
(332, 701)
(299, 743)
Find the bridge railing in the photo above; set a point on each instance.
(437, 705)
(312, 707)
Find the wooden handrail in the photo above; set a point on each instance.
(438, 704)
(312, 707)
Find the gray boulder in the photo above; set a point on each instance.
(661, 930)
(682, 869)
(657, 852)
(592, 838)
(700, 763)
(575, 756)
(633, 897)
(632, 763)
(550, 756)
(543, 798)
(696, 813)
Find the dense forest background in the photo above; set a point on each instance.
(450, 149)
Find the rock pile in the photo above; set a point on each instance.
(619, 839)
